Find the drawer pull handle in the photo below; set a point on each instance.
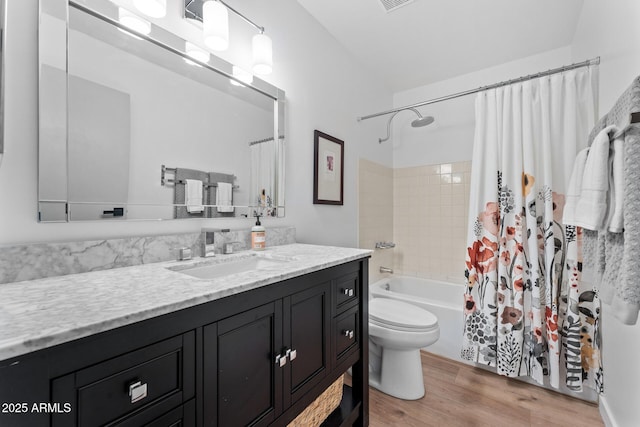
(281, 360)
(348, 292)
(348, 333)
(137, 391)
(292, 354)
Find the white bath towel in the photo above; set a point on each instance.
(193, 196)
(616, 188)
(574, 188)
(224, 197)
(592, 207)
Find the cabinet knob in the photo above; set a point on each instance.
(281, 360)
(348, 292)
(292, 354)
(137, 391)
(348, 333)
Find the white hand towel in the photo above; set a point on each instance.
(224, 197)
(591, 210)
(193, 196)
(574, 188)
(616, 219)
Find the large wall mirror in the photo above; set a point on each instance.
(132, 128)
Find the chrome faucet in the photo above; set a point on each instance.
(184, 254)
(386, 270)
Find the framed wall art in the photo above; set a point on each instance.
(328, 170)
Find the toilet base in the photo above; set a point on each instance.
(400, 374)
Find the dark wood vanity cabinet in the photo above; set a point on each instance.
(240, 383)
(256, 358)
(258, 362)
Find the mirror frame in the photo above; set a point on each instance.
(52, 43)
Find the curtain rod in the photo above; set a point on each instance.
(589, 62)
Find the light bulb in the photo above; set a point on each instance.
(215, 20)
(262, 54)
(133, 21)
(152, 8)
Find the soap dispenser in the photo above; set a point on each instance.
(258, 236)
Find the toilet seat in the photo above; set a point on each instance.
(401, 316)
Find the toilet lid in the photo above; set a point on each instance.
(401, 314)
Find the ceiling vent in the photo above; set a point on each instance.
(391, 5)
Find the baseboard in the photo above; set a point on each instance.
(605, 412)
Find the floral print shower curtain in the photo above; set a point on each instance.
(526, 310)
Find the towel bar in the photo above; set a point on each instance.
(164, 181)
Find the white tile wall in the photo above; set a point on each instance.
(423, 210)
(430, 220)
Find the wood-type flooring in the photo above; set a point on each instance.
(462, 395)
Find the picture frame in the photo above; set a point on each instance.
(328, 169)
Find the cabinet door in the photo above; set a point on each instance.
(306, 334)
(242, 383)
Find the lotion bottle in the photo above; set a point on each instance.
(258, 236)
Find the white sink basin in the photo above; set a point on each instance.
(220, 267)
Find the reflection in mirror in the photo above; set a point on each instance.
(52, 112)
(150, 133)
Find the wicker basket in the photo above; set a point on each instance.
(320, 408)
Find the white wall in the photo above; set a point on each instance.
(611, 30)
(326, 90)
(325, 87)
(450, 137)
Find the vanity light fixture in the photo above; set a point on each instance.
(262, 54)
(215, 19)
(242, 75)
(195, 52)
(133, 21)
(152, 8)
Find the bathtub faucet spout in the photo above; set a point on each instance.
(385, 245)
(386, 270)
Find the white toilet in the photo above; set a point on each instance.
(397, 332)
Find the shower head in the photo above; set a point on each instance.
(422, 121)
(417, 123)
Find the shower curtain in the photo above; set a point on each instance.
(526, 310)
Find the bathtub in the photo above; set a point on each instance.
(443, 299)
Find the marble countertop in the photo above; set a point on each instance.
(42, 313)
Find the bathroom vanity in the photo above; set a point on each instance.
(156, 345)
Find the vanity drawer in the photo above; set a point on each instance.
(143, 384)
(346, 333)
(346, 291)
(182, 416)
